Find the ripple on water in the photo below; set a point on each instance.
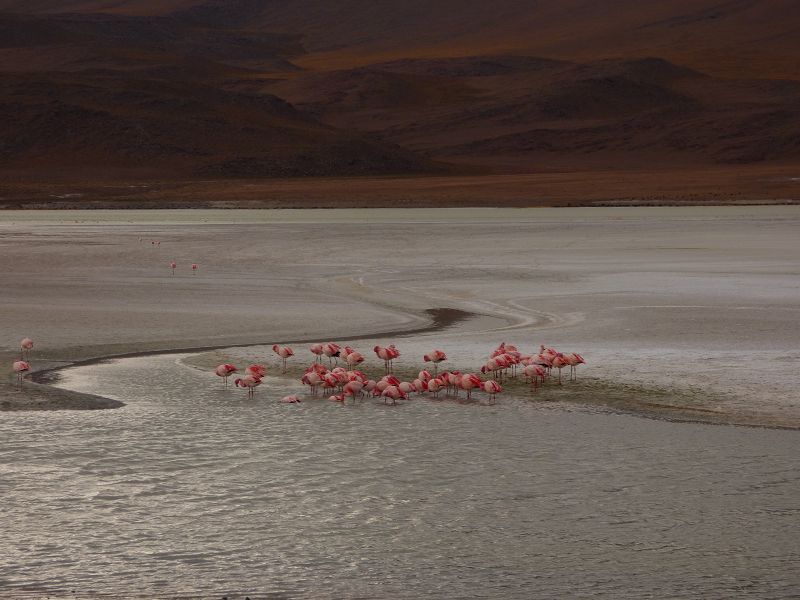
(194, 489)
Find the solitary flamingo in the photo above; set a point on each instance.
(194, 268)
(20, 368)
(284, 352)
(435, 357)
(250, 382)
(225, 371)
(25, 347)
(172, 265)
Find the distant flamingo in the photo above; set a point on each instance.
(469, 382)
(172, 265)
(256, 371)
(435, 357)
(250, 382)
(25, 347)
(316, 349)
(394, 393)
(492, 388)
(194, 268)
(332, 351)
(225, 371)
(20, 368)
(284, 352)
(574, 360)
(559, 362)
(387, 354)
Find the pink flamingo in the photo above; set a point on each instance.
(406, 387)
(332, 351)
(312, 379)
(354, 359)
(225, 371)
(250, 382)
(194, 268)
(172, 265)
(559, 362)
(435, 357)
(25, 347)
(352, 389)
(469, 382)
(316, 350)
(293, 399)
(284, 352)
(535, 373)
(394, 393)
(20, 368)
(435, 385)
(492, 388)
(574, 359)
(387, 354)
(256, 371)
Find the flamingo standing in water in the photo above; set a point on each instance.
(284, 352)
(435, 357)
(574, 359)
(172, 265)
(353, 359)
(194, 268)
(250, 382)
(559, 362)
(468, 383)
(332, 351)
(387, 354)
(225, 371)
(20, 368)
(393, 392)
(256, 371)
(434, 385)
(353, 389)
(316, 350)
(492, 388)
(25, 347)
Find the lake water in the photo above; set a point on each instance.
(193, 490)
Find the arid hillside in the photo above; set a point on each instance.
(186, 89)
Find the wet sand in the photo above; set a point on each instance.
(690, 311)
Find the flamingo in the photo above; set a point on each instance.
(435, 385)
(316, 350)
(172, 265)
(312, 379)
(25, 347)
(406, 387)
(574, 359)
(394, 393)
(535, 373)
(331, 350)
(559, 362)
(435, 357)
(352, 389)
(194, 268)
(469, 382)
(284, 352)
(293, 399)
(250, 382)
(20, 368)
(492, 388)
(353, 359)
(256, 371)
(387, 354)
(225, 371)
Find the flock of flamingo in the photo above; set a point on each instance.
(506, 361)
